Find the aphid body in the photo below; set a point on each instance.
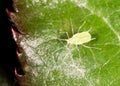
(80, 38)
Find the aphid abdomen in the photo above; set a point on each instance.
(84, 37)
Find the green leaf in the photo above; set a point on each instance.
(56, 63)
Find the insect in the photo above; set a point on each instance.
(80, 38)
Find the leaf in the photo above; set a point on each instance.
(58, 64)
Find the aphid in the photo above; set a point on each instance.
(80, 38)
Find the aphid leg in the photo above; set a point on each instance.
(81, 26)
(89, 29)
(77, 48)
(71, 26)
(67, 35)
(91, 47)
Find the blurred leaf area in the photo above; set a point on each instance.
(54, 62)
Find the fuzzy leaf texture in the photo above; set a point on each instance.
(53, 61)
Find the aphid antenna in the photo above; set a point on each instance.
(65, 38)
(61, 39)
(65, 33)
